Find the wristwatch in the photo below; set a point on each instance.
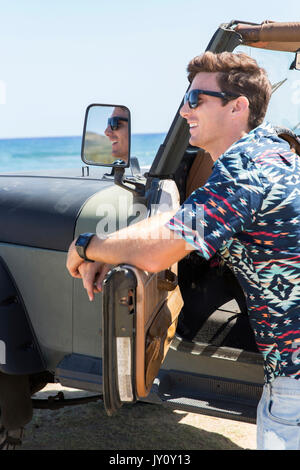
(82, 243)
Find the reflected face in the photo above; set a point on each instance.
(119, 137)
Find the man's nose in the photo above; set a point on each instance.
(184, 110)
(107, 131)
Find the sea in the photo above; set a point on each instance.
(52, 153)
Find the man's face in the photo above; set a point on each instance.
(209, 120)
(119, 136)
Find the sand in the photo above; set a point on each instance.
(140, 427)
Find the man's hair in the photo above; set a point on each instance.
(237, 73)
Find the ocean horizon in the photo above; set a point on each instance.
(50, 153)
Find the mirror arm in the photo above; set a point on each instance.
(138, 188)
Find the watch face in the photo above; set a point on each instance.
(83, 239)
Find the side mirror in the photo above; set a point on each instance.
(106, 136)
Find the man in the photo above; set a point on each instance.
(250, 205)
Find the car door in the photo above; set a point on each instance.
(139, 318)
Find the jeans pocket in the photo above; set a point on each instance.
(284, 410)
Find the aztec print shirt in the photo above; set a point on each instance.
(249, 211)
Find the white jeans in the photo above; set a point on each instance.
(278, 415)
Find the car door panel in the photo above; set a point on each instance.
(139, 318)
(140, 312)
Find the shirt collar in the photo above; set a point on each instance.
(263, 131)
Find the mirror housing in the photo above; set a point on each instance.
(106, 136)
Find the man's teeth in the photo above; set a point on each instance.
(193, 124)
(114, 142)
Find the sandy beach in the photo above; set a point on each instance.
(139, 427)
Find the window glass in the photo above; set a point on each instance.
(284, 109)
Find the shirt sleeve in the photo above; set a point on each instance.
(225, 206)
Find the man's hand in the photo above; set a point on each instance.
(93, 275)
(74, 261)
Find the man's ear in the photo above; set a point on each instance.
(240, 105)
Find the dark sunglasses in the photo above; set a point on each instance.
(113, 122)
(192, 97)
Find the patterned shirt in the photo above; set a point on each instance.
(249, 212)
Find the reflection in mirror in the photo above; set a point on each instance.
(106, 136)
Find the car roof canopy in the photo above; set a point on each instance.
(271, 35)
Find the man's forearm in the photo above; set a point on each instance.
(148, 245)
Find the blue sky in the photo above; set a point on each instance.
(59, 56)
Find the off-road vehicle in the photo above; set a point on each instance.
(123, 346)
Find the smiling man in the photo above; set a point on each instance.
(250, 212)
(214, 127)
(117, 132)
